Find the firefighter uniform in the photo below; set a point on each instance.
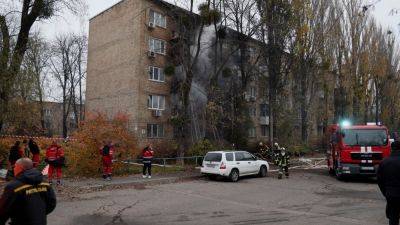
(283, 163)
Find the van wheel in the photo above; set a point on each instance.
(263, 171)
(234, 175)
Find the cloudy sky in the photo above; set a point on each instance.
(66, 22)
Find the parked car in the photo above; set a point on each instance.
(233, 164)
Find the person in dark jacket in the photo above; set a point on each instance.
(35, 150)
(27, 200)
(389, 183)
(16, 153)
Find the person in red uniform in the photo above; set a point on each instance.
(35, 150)
(107, 156)
(55, 159)
(148, 154)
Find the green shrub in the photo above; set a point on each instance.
(201, 148)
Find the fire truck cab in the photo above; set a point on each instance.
(356, 150)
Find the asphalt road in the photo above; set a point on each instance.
(308, 197)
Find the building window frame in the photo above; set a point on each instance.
(158, 46)
(156, 74)
(155, 130)
(252, 132)
(158, 19)
(264, 130)
(156, 102)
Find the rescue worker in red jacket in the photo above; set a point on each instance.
(55, 159)
(35, 150)
(107, 153)
(148, 154)
(26, 200)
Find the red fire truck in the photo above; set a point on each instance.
(356, 150)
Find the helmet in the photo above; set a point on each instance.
(261, 143)
(276, 144)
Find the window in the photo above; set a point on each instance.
(158, 19)
(157, 46)
(47, 112)
(229, 157)
(213, 157)
(156, 74)
(155, 130)
(248, 156)
(264, 130)
(355, 137)
(264, 110)
(252, 132)
(156, 102)
(252, 92)
(239, 156)
(252, 111)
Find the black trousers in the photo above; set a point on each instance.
(147, 168)
(393, 210)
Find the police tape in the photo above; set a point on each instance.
(23, 137)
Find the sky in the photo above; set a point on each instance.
(67, 22)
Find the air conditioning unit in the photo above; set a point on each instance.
(151, 25)
(151, 54)
(157, 113)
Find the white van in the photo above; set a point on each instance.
(233, 164)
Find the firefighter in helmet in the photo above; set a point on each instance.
(283, 163)
(276, 151)
(264, 150)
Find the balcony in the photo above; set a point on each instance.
(264, 120)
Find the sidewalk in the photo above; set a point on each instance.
(134, 180)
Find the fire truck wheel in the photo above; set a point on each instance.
(338, 175)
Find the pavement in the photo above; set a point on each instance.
(308, 197)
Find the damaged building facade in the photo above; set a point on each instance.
(131, 45)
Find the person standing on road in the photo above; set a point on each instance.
(389, 183)
(27, 200)
(148, 154)
(55, 159)
(35, 150)
(107, 156)
(283, 163)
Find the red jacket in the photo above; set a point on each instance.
(148, 155)
(54, 152)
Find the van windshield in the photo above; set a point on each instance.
(213, 157)
(359, 137)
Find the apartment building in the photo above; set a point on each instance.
(128, 52)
